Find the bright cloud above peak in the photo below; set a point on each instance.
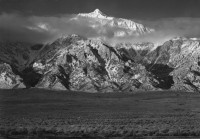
(39, 29)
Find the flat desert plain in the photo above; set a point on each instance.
(38, 113)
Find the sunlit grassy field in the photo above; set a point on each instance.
(37, 113)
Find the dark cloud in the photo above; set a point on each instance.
(167, 28)
(36, 29)
(189, 27)
(14, 28)
(139, 9)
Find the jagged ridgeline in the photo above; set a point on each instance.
(115, 27)
(77, 63)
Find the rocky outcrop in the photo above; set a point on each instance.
(76, 63)
(88, 65)
(9, 80)
(179, 58)
(185, 60)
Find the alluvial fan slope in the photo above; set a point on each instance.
(77, 63)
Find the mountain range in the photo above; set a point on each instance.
(73, 62)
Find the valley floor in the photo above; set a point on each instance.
(37, 113)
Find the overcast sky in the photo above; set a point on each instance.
(147, 9)
(44, 20)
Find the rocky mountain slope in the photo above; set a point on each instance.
(19, 57)
(9, 80)
(19, 54)
(77, 63)
(120, 27)
(90, 64)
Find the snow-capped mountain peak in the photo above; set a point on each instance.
(98, 12)
(95, 14)
(123, 27)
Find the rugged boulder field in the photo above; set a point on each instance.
(77, 63)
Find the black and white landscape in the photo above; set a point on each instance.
(71, 74)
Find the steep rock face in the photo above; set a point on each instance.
(185, 60)
(153, 59)
(77, 63)
(179, 58)
(9, 80)
(88, 65)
